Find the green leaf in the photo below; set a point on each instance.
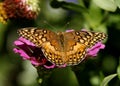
(107, 79)
(117, 3)
(108, 5)
(74, 7)
(118, 71)
(94, 17)
(101, 28)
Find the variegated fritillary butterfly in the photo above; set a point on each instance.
(62, 47)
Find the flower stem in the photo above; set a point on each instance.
(43, 75)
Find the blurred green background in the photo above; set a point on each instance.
(96, 15)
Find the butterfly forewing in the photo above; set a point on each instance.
(97, 37)
(89, 38)
(34, 35)
(62, 48)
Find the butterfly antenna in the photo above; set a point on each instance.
(67, 25)
(45, 22)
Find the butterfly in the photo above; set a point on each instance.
(62, 47)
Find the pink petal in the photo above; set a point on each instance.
(26, 41)
(95, 49)
(69, 30)
(62, 66)
(49, 67)
(22, 53)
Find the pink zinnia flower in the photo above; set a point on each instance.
(30, 52)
